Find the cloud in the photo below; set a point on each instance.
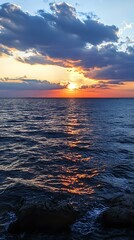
(125, 26)
(60, 29)
(37, 58)
(28, 84)
(61, 37)
(113, 64)
(5, 51)
(3, 79)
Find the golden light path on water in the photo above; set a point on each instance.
(57, 157)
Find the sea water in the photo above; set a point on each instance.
(79, 150)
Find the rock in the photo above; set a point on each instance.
(118, 217)
(120, 214)
(36, 219)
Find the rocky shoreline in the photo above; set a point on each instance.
(38, 219)
(52, 217)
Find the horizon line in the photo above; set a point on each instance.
(66, 97)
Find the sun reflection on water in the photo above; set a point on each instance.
(79, 183)
(59, 158)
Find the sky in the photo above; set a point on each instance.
(67, 49)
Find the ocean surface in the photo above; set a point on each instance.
(80, 151)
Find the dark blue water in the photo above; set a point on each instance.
(81, 148)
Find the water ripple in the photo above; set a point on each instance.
(80, 147)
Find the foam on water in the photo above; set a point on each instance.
(87, 224)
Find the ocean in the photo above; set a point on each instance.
(79, 151)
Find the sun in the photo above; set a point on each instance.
(72, 86)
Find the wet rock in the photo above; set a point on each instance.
(38, 219)
(121, 212)
(118, 217)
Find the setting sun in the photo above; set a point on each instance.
(72, 86)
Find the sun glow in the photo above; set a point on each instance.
(72, 86)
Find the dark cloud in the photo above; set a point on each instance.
(106, 62)
(35, 59)
(40, 59)
(60, 29)
(84, 86)
(111, 64)
(62, 38)
(28, 84)
(101, 85)
(117, 73)
(105, 84)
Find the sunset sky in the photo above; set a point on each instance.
(78, 48)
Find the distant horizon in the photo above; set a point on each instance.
(66, 97)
